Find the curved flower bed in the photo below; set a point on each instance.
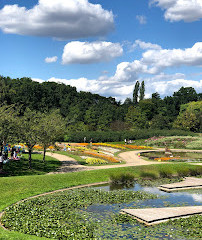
(108, 158)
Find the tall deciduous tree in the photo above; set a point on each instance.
(142, 91)
(190, 117)
(51, 129)
(135, 92)
(28, 127)
(8, 128)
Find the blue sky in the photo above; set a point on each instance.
(104, 46)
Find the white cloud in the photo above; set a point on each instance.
(142, 19)
(86, 52)
(63, 19)
(154, 61)
(177, 10)
(145, 45)
(148, 68)
(51, 59)
(164, 84)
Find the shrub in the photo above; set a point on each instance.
(183, 172)
(111, 136)
(123, 178)
(195, 171)
(149, 174)
(165, 173)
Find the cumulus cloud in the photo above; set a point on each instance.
(90, 52)
(51, 59)
(157, 60)
(164, 84)
(177, 10)
(154, 61)
(142, 19)
(59, 19)
(150, 69)
(145, 45)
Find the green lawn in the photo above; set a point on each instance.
(20, 168)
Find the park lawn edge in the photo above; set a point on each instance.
(14, 189)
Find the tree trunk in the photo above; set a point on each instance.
(30, 158)
(44, 154)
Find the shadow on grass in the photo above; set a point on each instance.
(21, 167)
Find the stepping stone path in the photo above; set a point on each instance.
(188, 183)
(151, 216)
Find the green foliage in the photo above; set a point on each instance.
(190, 117)
(87, 111)
(62, 215)
(135, 92)
(122, 178)
(136, 118)
(111, 136)
(8, 123)
(149, 174)
(142, 91)
(160, 122)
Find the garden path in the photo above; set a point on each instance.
(69, 164)
(130, 158)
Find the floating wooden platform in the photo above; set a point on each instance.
(151, 216)
(188, 183)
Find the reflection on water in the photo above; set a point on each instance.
(175, 198)
(169, 199)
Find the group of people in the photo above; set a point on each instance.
(6, 149)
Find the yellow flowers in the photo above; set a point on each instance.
(95, 161)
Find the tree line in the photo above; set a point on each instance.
(84, 111)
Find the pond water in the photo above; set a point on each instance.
(175, 156)
(184, 198)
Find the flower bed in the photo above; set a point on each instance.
(95, 161)
(108, 158)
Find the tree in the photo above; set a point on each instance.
(148, 108)
(136, 118)
(160, 122)
(135, 93)
(142, 91)
(190, 117)
(51, 128)
(8, 128)
(28, 127)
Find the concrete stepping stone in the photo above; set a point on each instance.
(151, 216)
(188, 183)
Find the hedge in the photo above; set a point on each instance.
(111, 136)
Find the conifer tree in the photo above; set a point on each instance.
(135, 93)
(142, 91)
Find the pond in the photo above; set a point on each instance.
(94, 213)
(181, 198)
(173, 156)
